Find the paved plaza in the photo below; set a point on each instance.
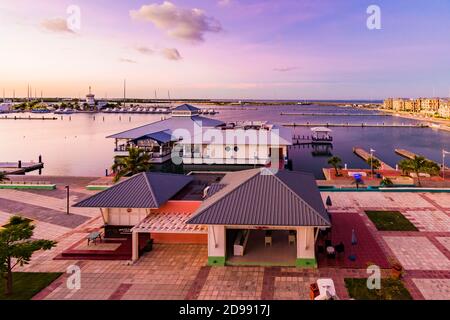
(174, 271)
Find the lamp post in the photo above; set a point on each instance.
(68, 204)
(443, 163)
(371, 160)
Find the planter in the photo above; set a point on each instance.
(396, 271)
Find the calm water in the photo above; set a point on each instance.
(76, 144)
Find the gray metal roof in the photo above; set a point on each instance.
(186, 107)
(144, 190)
(258, 197)
(169, 126)
(161, 136)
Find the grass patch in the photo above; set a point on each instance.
(391, 289)
(390, 221)
(27, 284)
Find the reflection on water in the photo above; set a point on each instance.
(76, 144)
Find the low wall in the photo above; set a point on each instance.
(29, 186)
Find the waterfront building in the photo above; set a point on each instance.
(444, 108)
(388, 104)
(429, 106)
(251, 217)
(194, 139)
(398, 104)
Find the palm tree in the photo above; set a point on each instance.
(137, 161)
(386, 182)
(374, 164)
(419, 165)
(335, 161)
(3, 177)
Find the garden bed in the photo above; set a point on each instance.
(390, 221)
(391, 289)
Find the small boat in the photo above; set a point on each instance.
(40, 111)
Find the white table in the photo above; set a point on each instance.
(330, 250)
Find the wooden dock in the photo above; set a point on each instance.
(356, 125)
(21, 167)
(363, 154)
(410, 155)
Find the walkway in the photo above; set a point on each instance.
(180, 271)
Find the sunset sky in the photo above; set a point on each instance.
(243, 49)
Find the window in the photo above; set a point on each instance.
(236, 149)
(227, 149)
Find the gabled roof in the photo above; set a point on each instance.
(261, 198)
(143, 190)
(186, 107)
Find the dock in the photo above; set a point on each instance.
(357, 125)
(21, 167)
(410, 155)
(363, 154)
(332, 114)
(27, 118)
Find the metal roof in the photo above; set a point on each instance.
(144, 190)
(259, 197)
(185, 107)
(169, 126)
(161, 137)
(321, 129)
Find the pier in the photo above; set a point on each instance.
(27, 118)
(363, 154)
(410, 155)
(21, 167)
(332, 114)
(356, 125)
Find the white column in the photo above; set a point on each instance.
(306, 247)
(216, 245)
(135, 246)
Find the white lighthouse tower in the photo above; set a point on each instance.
(90, 98)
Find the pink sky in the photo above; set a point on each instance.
(243, 49)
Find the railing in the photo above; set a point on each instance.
(154, 153)
(322, 139)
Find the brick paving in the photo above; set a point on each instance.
(430, 220)
(367, 250)
(434, 289)
(180, 271)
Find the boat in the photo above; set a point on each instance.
(41, 110)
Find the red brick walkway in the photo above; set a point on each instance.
(366, 249)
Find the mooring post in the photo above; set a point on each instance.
(19, 164)
(40, 159)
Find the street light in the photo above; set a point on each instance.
(371, 160)
(443, 162)
(68, 204)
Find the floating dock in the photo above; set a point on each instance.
(21, 167)
(363, 154)
(356, 125)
